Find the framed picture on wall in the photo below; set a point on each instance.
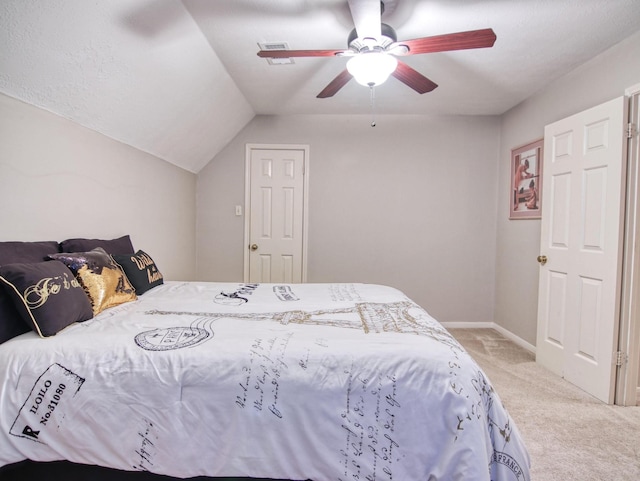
(526, 181)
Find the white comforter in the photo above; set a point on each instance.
(302, 381)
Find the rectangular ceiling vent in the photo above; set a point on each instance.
(276, 46)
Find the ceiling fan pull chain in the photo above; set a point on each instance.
(373, 107)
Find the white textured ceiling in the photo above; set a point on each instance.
(179, 79)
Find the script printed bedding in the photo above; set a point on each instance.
(298, 381)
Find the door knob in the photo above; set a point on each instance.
(253, 247)
(542, 260)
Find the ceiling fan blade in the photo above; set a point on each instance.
(366, 16)
(335, 85)
(451, 41)
(413, 78)
(300, 53)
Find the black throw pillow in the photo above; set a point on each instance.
(141, 271)
(121, 245)
(46, 294)
(11, 252)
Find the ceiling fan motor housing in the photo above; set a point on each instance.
(387, 37)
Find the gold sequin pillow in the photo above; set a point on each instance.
(101, 277)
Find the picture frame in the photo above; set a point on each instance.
(525, 197)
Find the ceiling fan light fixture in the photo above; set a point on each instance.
(372, 68)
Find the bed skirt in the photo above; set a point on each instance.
(66, 471)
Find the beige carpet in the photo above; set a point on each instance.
(570, 435)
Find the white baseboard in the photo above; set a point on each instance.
(492, 325)
(469, 325)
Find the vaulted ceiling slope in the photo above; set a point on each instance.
(140, 72)
(179, 79)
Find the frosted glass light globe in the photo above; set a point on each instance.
(372, 68)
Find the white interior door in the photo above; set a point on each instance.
(581, 238)
(276, 214)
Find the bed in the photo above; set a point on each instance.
(334, 381)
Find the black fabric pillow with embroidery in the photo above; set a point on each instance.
(121, 245)
(12, 252)
(46, 294)
(141, 271)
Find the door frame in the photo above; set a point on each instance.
(247, 200)
(627, 382)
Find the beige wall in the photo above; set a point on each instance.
(603, 78)
(410, 203)
(59, 180)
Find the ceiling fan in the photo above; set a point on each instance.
(374, 43)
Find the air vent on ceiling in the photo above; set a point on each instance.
(276, 46)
